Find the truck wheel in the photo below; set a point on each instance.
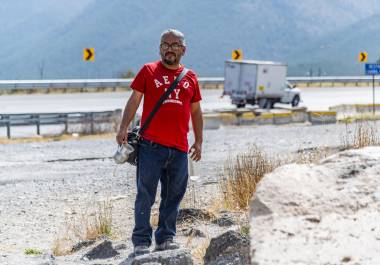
(270, 103)
(263, 102)
(295, 101)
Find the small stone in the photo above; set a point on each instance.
(192, 214)
(313, 219)
(223, 221)
(102, 251)
(193, 232)
(120, 247)
(168, 257)
(230, 246)
(82, 244)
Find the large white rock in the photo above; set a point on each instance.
(326, 213)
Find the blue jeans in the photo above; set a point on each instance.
(170, 167)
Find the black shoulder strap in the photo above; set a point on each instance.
(162, 99)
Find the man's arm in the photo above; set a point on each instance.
(197, 121)
(129, 112)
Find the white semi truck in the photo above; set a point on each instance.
(258, 82)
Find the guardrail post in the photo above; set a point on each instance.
(37, 123)
(92, 122)
(9, 130)
(66, 122)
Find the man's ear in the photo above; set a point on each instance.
(183, 50)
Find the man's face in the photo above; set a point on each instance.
(171, 49)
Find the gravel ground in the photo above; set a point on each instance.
(43, 183)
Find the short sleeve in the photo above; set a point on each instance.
(197, 92)
(139, 82)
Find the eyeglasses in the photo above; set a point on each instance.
(175, 46)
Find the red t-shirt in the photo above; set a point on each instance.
(170, 124)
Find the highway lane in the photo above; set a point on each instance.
(87, 102)
(314, 98)
(321, 98)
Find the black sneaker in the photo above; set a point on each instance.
(167, 245)
(140, 250)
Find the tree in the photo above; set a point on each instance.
(128, 74)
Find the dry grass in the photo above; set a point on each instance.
(243, 224)
(91, 226)
(64, 137)
(87, 225)
(190, 200)
(313, 155)
(200, 250)
(364, 134)
(62, 246)
(241, 176)
(217, 203)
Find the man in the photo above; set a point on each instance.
(163, 151)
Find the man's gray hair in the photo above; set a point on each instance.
(176, 33)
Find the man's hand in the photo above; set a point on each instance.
(196, 117)
(196, 152)
(122, 137)
(129, 112)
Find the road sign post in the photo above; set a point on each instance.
(373, 94)
(372, 69)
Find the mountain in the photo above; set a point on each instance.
(338, 52)
(27, 26)
(48, 39)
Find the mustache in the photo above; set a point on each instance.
(167, 53)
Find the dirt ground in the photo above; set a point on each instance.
(44, 185)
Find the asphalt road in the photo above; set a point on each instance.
(312, 98)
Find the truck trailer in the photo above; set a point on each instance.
(258, 82)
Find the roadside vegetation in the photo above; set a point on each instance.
(241, 176)
(32, 251)
(87, 224)
(360, 134)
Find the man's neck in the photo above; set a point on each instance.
(171, 67)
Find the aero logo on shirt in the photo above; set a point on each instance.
(175, 98)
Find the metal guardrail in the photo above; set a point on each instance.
(99, 83)
(64, 83)
(39, 119)
(75, 83)
(332, 79)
